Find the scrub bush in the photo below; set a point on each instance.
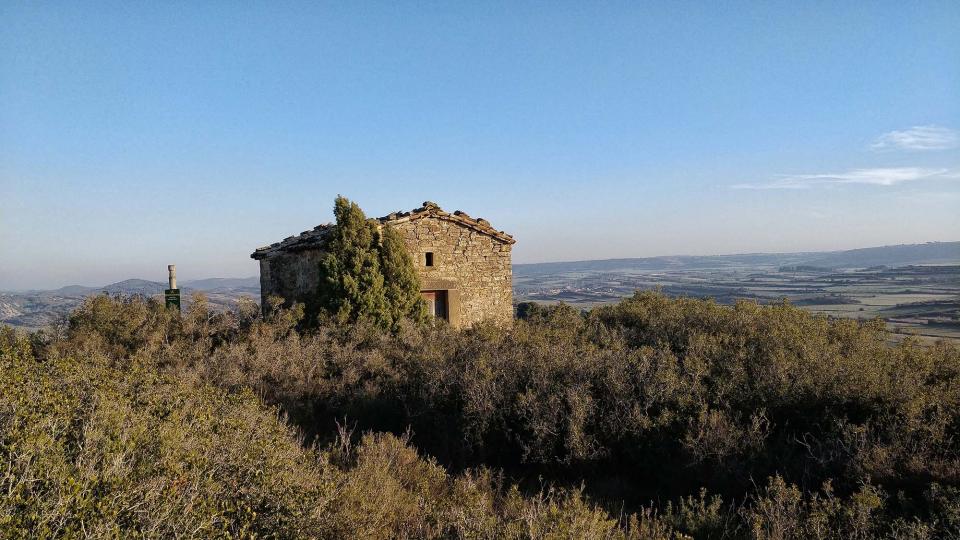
(651, 418)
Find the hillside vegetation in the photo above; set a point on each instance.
(652, 418)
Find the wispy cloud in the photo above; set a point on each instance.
(873, 177)
(918, 138)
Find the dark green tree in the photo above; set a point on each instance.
(400, 279)
(366, 273)
(351, 284)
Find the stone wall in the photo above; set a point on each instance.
(472, 265)
(475, 267)
(292, 276)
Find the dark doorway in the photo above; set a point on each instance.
(436, 303)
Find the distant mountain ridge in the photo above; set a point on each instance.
(900, 255)
(895, 255)
(36, 309)
(146, 287)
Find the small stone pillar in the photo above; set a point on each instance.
(172, 295)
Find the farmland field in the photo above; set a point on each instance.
(922, 300)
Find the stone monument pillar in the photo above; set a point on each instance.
(172, 295)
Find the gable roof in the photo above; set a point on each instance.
(430, 209)
(316, 237)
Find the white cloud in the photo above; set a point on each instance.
(918, 138)
(874, 177)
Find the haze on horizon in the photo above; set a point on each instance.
(133, 136)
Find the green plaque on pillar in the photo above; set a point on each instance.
(172, 297)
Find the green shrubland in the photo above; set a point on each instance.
(652, 418)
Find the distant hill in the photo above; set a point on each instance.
(902, 255)
(135, 286)
(893, 256)
(37, 309)
(69, 290)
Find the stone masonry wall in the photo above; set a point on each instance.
(475, 266)
(291, 276)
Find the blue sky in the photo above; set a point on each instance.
(133, 135)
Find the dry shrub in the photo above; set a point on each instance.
(95, 448)
(650, 399)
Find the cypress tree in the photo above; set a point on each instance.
(351, 284)
(401, 280)
(366, 272)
